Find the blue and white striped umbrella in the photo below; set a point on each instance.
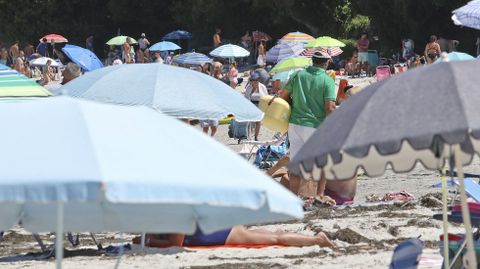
(468, 15)
(4, 67)
(164, 46)
(192, 58)
(230, 51)
(282, 51)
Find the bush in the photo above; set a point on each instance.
(350, 47)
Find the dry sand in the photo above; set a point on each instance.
(365, 236)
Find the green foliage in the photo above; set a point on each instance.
(390, 20)
(350, 47)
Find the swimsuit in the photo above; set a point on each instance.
(200, 239)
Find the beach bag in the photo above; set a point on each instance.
(238, 130)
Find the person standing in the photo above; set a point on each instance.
(408, 53)
(126, 51)
(362, 48)
(262, 57)
(311, 94)
(42, 48)
(89, 43)
(143, 42)
(253, 92)
(233, 75)
(432, 50)
(14, 52)
(217, 40)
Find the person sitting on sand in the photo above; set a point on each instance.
(238, 235)
(351, 68)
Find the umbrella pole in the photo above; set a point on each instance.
(446, 258)
(470, 259)
(143, 241)
(59, 237)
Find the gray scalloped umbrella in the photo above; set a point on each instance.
(427, 115)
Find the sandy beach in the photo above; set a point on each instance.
(364, 236)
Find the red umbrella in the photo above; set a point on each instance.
(54, 38)
(261, 36)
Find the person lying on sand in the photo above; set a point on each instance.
(238, 235)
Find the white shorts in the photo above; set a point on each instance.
(297, 136)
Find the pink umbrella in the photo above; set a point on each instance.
(261, 36)
(333, 52)
(54, 38)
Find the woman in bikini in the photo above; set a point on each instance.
(432, 50)
(238, 235)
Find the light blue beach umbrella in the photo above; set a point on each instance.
(230, 51)
(84, 166)
(455, 56)
(164, 46)
(283, 50)
(468, 15)
(284, 76)
(4, 67)
(192, 58)
(85, 58)
(176, 91)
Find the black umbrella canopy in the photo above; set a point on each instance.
(411, 117)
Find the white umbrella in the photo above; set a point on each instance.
(74, 165)
(42, 61)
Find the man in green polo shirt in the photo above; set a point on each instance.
(311, 94)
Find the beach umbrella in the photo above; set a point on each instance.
(333, 52)
(4, 67)
(85, 58)
(399, 122)
(127, 169)
(324, 42)
(230, 51)
(14, 84)
(120, 40)
(455, 56)
(297, 37)
(283, 51)
(260, 36)
(192, 58)
(176, 91)
(42, 61)
(179, 34)
(164, 46)
(54, 38)
(291, 63)
(468, 15)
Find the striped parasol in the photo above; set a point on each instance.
(333, 52)
(468, 15)
(230, 51)
(192, 58)
(283, 51)
(54, 38)
(13, 84)
(297, 37)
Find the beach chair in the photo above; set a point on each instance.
(340, 93)
(250, 147)
(407, 254)
(382, 72)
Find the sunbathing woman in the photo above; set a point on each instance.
(238, 235)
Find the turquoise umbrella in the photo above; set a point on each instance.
(176, 91)
(455, 56)
(84, 166)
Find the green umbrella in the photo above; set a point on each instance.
(120, 40)
(324, 42)
(291, 63)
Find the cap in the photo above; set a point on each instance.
(142, 35)
(321, 55)
(255, 76)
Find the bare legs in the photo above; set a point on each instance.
(212, 128)
(241, 236)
